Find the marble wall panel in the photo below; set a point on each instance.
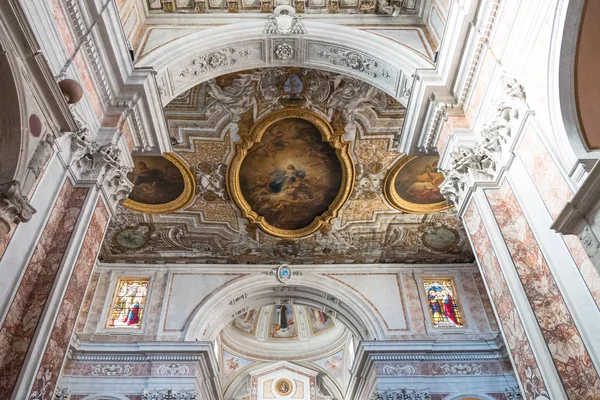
(464, 368)
(516, 340)
(472, 298)
(64, 325)
(413, 304)
(483, 295)
(27, 307)
(87, 303)
(571, 358)
(555, 193)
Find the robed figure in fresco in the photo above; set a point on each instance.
(449, 307)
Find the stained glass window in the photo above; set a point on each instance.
(128, 304)
(442, 302)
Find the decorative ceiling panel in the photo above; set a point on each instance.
(205, 124)
(301, 6)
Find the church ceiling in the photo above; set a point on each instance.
(208, 122)
(261, 6)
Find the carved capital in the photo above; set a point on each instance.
(14, 207)
(483, 161)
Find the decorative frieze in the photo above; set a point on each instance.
(169, 394)
(400, 394)
(112, 370)
(14, 207)
(173, 370)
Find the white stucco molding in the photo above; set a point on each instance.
(203, 55)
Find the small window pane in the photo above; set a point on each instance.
(442, 303)
(129, 303)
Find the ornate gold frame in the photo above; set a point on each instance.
(189, 191)
(342, 150)
(398, 202)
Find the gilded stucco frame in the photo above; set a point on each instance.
(401, 204)
(189, 191)
(342, 150)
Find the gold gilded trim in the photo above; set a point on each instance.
(189, 191)
(342, 150)
(401, 204)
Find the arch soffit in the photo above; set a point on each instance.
(561, 85)
(192, 59)
(212, 315)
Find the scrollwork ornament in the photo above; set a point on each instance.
(284, 21)
(173, 370)
(215, 59)
(169, 394)
(356, 61)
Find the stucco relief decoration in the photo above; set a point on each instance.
(42, 152)
(354, 60)
(213, 60)
(400, 394)
(308, 181)
(461, 369)
(173, 370)
(483, 160)
(412, 185)
(169, 394)
(398, 369)
(112, 370)
(284, 51)
(284, 21)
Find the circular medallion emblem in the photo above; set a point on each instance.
(440, 239)
(283, 387)
(131, 238)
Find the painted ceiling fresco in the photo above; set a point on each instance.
(209, 120)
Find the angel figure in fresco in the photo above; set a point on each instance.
(449, 307)
(232, 363)
(333, 363)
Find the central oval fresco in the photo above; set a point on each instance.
(292, 174)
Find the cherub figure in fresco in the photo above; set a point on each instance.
(232, 363)
(281, 179)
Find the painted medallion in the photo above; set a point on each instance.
(160, 184)
(412, 185)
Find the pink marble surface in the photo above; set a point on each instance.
(472, 299)
(460, 368)
(483, 295)
(413, 304)
(87, 302)
(5, 240)
(513, 331)
(589, 273)
(67, 315)
(555, 193)
(571, 358)
(546, 176)
(25, 311)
